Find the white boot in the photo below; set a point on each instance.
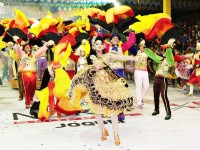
(191, 90)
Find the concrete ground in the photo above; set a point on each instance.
(141, 130)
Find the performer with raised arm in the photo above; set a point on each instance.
(109, 93)
(160, 80)
(116, 48)
(28, 63)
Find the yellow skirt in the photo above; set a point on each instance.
(109, 94)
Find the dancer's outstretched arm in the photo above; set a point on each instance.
(120, 57)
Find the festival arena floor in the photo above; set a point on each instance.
(141, 130)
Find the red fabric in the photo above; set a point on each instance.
(194, 79)
(118, 17)
(159, 29)
(29, 82)
(25, 30)
(197, 62)
(50, 29)
(178, 58)
(71, 73)
(29, 36)
(11, 24)
(50, 86)
(19, 41)
(68, 37)
(97, 14)
(74, 57)
(61, 110)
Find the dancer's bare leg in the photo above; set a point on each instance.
(101, 126)
(100, 121)
(115, 129)
(114, 123)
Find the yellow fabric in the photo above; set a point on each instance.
(118, 13)
(35, 30)
(95, 11)
(43, 97)
(109, 15)
(197, 71)
(73, 31)
(79, 93)
(64, 56)
(60, 24)
(44, 24)
(147, 22)
(197, 57)
(126, 52)
(5, 22)
(2, 43)
(65, 104)
(21, 20)
(13, 55)
(57, 50)
(62, 83)
(171, 72)
(80, 23)
(114, 91)
(14, 69)
(86, 48)
(122, 9)
(53, 49)
(115, 88)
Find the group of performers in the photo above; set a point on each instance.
(88, 65)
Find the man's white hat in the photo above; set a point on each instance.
(142, 43)
(171, 42)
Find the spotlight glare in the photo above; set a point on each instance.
(117, 4)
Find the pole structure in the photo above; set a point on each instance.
(167, 7)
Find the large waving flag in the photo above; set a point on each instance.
(20, 21)
(46, 24)
(152, 25)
